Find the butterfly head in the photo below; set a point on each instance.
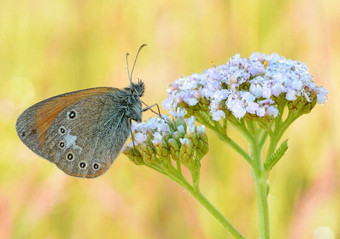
(137, 89)
(132, 103)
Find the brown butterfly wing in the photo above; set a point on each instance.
(87, 136)
(33, 123)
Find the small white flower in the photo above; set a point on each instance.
(190, 121)
(322, 95)
(277, 89)
(140, 138)
(180, 113)
(247, 96)
(163, 127)
(272, 111)
(167, 104)
(260, 111)
(191, 129)
(217, 115)
(238, 111)
(184, 141)
(256, 90)
(201, 129)
(190, 101)
(236, 107)
(180, 128)
(157, 138)
(297, 85)
(321, 98)
(291, 95)
(322, 90)
(266, 92)
(252, 107)
(221, 94)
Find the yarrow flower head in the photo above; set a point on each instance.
(253, 87)
(161, 139)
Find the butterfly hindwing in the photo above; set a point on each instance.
(87, 136)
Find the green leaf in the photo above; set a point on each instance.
(276, 156)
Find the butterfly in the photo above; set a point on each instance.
(82, 132)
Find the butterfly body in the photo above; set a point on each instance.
(82, 132)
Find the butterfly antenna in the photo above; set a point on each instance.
(127, 66)
(134, 64)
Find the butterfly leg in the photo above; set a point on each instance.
(148, 107)
(132, 138)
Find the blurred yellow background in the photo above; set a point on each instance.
(56, 46)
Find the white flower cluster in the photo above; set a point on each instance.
(246, 86)
(158, 128)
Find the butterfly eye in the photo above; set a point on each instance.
(95, 166)
(61, 144)
(70, 156)
(82, 165)
(71, 114)
(62, 130)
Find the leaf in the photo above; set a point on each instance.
(276, 156)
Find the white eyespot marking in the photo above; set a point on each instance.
(62, 130)
(95, 166)
(72, 114)
(61, 144)
(82, 165)
(70, 156)
(70, 140)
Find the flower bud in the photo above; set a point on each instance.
(174, 148)
(186, 151)
(134, 156)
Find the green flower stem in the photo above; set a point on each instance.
(179, 168)
(195, 173)
(234, 145)
(202, 199)
(252, 127)
(263, 139)
(178, 177)
(233, 231)
(223, 136)
(262, 202)
(241, 126)
(260, 177)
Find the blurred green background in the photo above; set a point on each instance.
(52, 47)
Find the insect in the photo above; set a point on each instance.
(82, 132)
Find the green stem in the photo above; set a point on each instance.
(260, 177)
(213, 211)
(179, 168)
(241, 126)
(195, 174)
(263, 138)
(223, 136)
(234, 145)
(261, 192)
(233, 231)
(194, 190)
